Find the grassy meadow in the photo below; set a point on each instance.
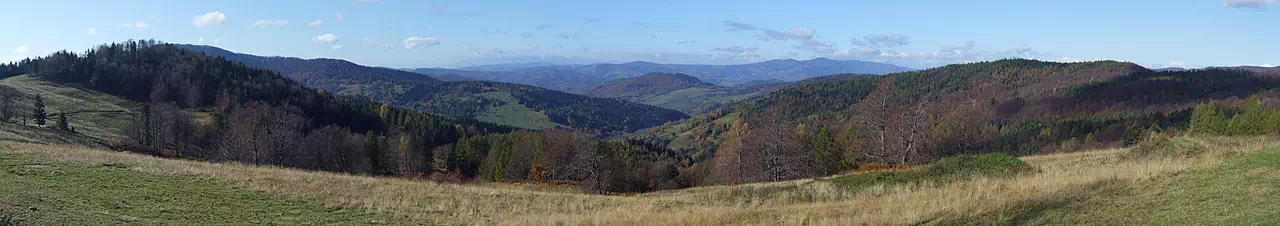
(1221, 181)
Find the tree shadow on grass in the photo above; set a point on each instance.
(1035, 211)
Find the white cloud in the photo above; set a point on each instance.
(336, 47)
(91, 32)
(209, 19)
(263, 23)
(415, 42)
(1175, 63)
(1251, 4)
(329, 38)
(138, 24)
(340, 16)
(315, 23)
(19, 53)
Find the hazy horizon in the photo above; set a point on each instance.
(452, 34)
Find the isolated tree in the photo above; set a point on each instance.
(37, 111)
(827, 156)
(7, 106)
(874, 119)
(62, 122)
(731, 165)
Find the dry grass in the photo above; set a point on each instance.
(802, 202)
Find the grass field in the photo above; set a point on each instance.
(91, 113)
(513, 114)
(1232, 182)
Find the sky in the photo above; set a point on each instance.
(439, 33)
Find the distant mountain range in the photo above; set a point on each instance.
(516, 105)
(584, 78)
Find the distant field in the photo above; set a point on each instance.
(1233, 182)
(697, 100)
(513, 114)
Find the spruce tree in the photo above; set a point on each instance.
(37, 111)
(62, 122)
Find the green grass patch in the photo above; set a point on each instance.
(35, 190)
(697, 100)
(1242, 191)
(942, 171)
(90, 112)
(513, 114)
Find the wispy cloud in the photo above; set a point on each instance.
(883, 41)
(1250, 4)
(766, 34)
(137, 24)
(264, 23)
(316, 23)
(567, 35)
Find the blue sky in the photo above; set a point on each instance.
(391, 33)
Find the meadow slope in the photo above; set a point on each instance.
(1228, 182)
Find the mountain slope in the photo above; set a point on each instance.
(651, 84)
(1013, 106)
(582, 79)
(675, 91)
(463, 99)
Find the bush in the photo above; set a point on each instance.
(1165, 147)
(949, 169)
(991, 165)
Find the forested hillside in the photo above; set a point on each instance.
(677, 91)
(195, 106)
(515, 105)
(1010, 106)
(202, 107)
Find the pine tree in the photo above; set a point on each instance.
(37, 111)
(62, 122)
(374, 152)
(827, 155)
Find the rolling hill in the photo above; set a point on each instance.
(582, 79)
(1012, 106)
(677, 91)
(517, 105)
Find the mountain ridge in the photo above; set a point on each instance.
(582, 79)
(465, 99)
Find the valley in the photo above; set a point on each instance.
(570, 112)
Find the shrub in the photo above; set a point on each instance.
(991, 165)
(949, 169)
(1164, 147)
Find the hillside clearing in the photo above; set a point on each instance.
(92, 113)
(1062, 180)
